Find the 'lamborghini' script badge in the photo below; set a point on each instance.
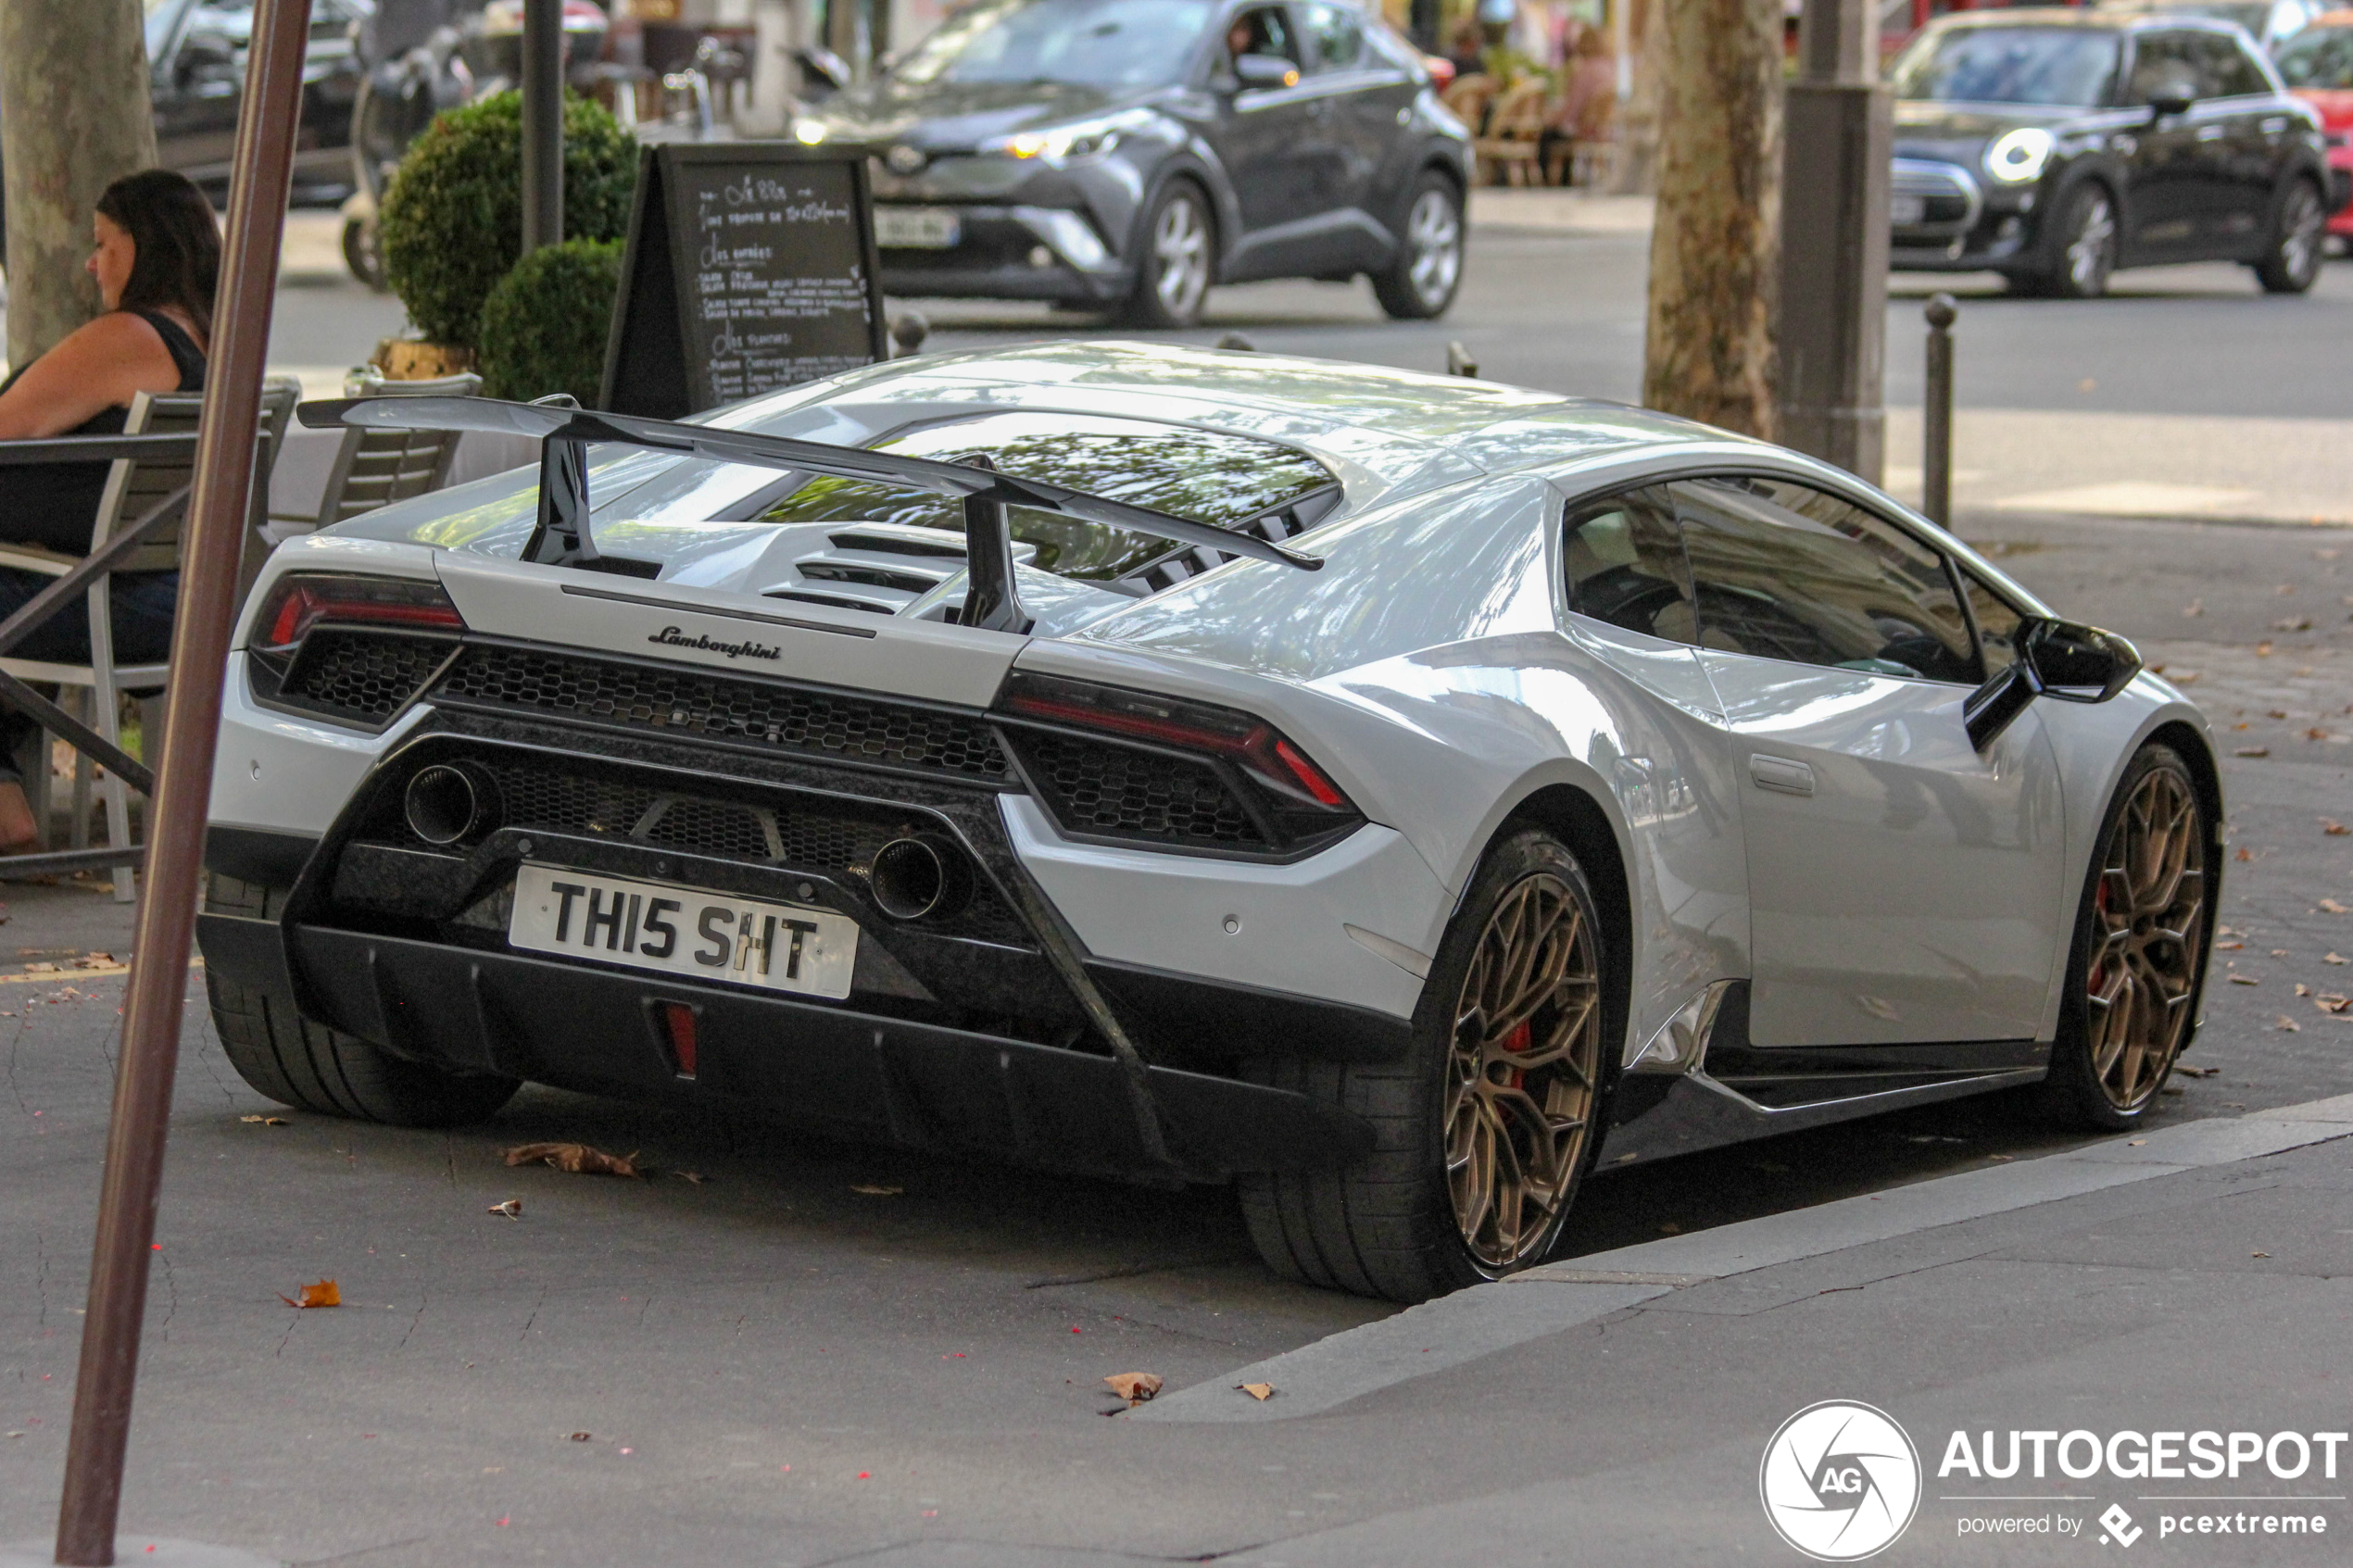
(671, 636)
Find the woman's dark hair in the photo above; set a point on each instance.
(176, 240)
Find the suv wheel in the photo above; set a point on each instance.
(1421, 282)
(1487, 1127)
(2291, 262)
(1172, 278)
(311, 1067)
(2084, 250)
(2138, 962)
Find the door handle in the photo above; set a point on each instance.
(1780, 774)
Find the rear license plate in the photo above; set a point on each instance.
(917, 227)
(683, 931)
(1902, 209)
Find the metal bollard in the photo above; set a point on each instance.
(907, 330)
(1936, 413)
(1459, 361)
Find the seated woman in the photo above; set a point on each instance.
(156, 260)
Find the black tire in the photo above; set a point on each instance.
(2082, 247)
(363, 253)
(2298, 247)
(1388, 1225)
(311, 1067)
(1175, 261)
(1421, 282)
(2142, 961)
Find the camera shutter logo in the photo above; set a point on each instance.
(1840, 1481)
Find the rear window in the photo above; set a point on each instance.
(1207, 476)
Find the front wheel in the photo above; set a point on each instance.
(2138, 959)
(2292, 262)
(1487, 1127)
(1172, 277)
(1421, 282)
(2083, 247)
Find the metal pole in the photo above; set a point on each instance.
(155, 993)
(543, 123)
(1832, 328)
(1936, 413)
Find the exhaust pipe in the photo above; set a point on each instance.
(921, 878)
(451, 803)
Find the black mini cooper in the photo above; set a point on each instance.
(1128, 154)
(2054, 147)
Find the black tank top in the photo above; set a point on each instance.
(55, 505)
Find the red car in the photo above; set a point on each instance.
(2317, 66)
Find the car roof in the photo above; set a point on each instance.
(2125, 16)
(1388, 420)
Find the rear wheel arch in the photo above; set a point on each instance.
(1577, 820)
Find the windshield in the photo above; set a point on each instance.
(2322, 58)
(1208, 477)
(1083, 43)
(2009, 65)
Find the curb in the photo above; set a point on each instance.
(1487, 1318)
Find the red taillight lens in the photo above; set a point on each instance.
(1297, 784)
(301, 600)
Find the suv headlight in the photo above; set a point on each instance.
(808, 132)
(1061, 144)
(2018, 157)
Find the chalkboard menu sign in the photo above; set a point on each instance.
(751, 266)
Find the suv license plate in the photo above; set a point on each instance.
(683, 931)
(916, 228)
(1903, 209)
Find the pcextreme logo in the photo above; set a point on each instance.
(1840, 1481)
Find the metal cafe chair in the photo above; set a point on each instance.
(137, 528)
(376, 467)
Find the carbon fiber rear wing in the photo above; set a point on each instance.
(562, 537)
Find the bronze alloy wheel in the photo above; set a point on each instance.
(1521, 1077)
(2147, 937)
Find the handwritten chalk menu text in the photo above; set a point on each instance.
(751, 266)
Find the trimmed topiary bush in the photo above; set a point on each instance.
(543, 327)
(451, 224)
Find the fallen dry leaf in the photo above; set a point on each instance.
(1262, 1392)
(2244, 853)
(2135, 1143)
(2251, 751)
(2198, 1071)
(2245, 980)
(2228, 946)
(695, 1176)
(2285, 1023)
(2335, 958)
(512, 1209)
(2293, 623)
(1133, 1386)
(2334, 828)
(578, 1158)
(2302, 989)
(322, 1294)
(40, 969)
(2333, 907)
(2258, 1254)
(265, 1121)
(2263, 650)
(2275, 713)
(582, 1437)
(875, 1189)
(2330, 1002)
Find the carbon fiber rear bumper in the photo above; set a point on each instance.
(913, 1085)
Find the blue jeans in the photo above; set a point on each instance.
(144, 604)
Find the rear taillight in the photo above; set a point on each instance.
(1281, 788)
(302, 600)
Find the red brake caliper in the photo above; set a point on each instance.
(1518, 1040)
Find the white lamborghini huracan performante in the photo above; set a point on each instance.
(1390, 794)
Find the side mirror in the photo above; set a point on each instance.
(1266, 71)
(2175, 97)
(205, 55)
(2061, 659)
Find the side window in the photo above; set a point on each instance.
(2165, 65)
(2231, 72)
(1996, 620)
(1782, 570)
(1625, 566)
(1335, 38)
(1266, 31)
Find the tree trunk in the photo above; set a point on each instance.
(74, 115)
(1715, 245)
